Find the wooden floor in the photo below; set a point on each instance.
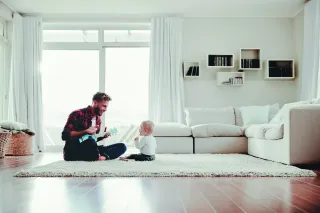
(161, 195)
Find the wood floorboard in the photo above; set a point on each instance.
(151, 195)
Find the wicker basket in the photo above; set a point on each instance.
(20, 145)
(4, 141)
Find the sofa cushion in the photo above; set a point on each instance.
(265, 131)
(197, 116)
(275, 133)
(216, 130)
(273, 110)
(255, 114)
(171, 129)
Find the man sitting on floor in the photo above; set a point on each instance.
(87, 122)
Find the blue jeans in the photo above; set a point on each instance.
(88, 150)
(112, 151)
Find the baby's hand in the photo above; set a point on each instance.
(136, 138)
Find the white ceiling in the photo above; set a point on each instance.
(187, 8)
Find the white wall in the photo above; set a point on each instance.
(5, 12)
(298, 41)
(227, 35)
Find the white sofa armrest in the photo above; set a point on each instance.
(303, 134)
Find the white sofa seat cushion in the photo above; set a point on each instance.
(171, 129)
(197, 116)
(216, 130)
(265, 131)
(275, 133)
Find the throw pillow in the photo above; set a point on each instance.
(255, 114)
(274, 109)
(12, 125)
(198, 116)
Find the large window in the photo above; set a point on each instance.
(78, 63)
(70, 77)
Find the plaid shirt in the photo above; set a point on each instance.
(79, 120)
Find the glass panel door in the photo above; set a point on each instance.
(127, 77)
(70, 79)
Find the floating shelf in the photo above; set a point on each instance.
(220, 60)
(280, 69)
(232, 79)
(191, 69)
(250, 59)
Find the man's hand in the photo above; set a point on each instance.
(107, 135)
(92, 130)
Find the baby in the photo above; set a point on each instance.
(146, 144)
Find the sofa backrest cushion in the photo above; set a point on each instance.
(255, 114)
(197, 116)
(273, 110)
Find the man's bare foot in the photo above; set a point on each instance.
(102, 158)
(123, 159)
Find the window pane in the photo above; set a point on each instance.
(70, 78)
(127, 77)
(70, 35)
(127, 35)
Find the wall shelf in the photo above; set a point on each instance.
(220, 60)
(280, 69)
(191, 69)
(231, 79)
(250, 59)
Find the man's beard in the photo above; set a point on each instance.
(97, 111)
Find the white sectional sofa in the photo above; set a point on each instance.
(290, 135)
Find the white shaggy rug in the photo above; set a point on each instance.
(170, 165)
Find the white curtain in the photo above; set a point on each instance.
(166, 98)
(5, 17)
(4, 78)
(26, 76)
(18, 88)
(310, 74)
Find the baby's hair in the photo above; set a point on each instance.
(148, 124)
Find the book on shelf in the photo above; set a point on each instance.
(280, 72)
(220, 61)
(233, 81)
(193, 71)
(250, 63)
